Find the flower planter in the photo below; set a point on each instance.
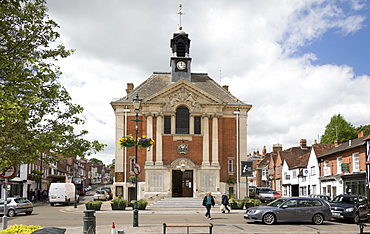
(235, 206)
(117, 206)
(248, 205)
(92, 207)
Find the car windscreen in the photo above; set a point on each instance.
(345, 200)
(264, 190)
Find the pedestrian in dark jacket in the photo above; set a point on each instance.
(208, 202)
(225, 202)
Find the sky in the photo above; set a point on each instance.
(298, 62)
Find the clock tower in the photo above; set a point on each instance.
(180, 60)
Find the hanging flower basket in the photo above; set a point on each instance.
(127, 141)
(145, 142)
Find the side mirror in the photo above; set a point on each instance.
(284, 206)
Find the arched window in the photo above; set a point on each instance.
(182, 120)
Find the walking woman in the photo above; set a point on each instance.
(208, 202)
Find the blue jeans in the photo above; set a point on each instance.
(208, 213)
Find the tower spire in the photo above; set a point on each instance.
(180, 13)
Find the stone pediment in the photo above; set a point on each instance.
(180, 93)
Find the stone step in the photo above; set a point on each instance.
(178, 202)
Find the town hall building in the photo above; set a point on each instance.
(199, 129)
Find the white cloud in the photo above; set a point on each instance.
(253, 43)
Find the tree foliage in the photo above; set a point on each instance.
(95, 161)
(36, 113)
(338, 128)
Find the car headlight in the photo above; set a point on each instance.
(254, 211)
(349, 209)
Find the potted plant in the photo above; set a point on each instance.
(236, 203)
(118, 203)
(142, 203)
(145, 142)
(127, 141)
(231, 181)
(93, 205)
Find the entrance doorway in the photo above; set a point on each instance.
(182, 183)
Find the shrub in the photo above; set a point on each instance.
(20, 229)
(119, 200)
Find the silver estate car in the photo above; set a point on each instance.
(293, 209)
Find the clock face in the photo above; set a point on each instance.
(181, 65)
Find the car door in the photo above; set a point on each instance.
(363, 207)
(305, 210)
(287, 211)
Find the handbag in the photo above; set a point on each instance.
(222, 207)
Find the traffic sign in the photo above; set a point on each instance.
(247, 169)
(9, 172)
(137, 169)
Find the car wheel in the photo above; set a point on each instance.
(52, 204)
(356, 217)
(318, 219)
(11, 213)
(268, 218)
(28, 212)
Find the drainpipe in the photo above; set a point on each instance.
(237, 112)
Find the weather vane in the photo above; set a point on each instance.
(180, 13)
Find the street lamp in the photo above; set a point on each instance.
(137, 103)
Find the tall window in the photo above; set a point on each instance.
(278, 170)
(230, 166)
(197, 124)
(167, 124)
(182, 120)
(313, 171)
(356, 162)
(339, 165)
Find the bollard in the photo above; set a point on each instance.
(89, 220)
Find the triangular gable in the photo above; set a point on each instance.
(182, 91)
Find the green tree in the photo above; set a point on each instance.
(365, 128)
(338, 128)
(113, 164)
(36, 114)
(95, 161)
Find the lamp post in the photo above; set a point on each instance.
(137, 103)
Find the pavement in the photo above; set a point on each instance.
(218, 228)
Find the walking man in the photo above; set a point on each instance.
(208, 202)
(225, 202)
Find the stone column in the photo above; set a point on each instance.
(191, 124)
(158, 142)
(119, 133)
(205, 126)
(149, 130)
(215, 141)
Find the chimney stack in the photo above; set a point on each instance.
(303, 143)
(360, 134)
(277, 147)
(226, 87)
(337, 142)
(264, 151)
(130, 87)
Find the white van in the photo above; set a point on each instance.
(63, 193)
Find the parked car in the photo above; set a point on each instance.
(276, 195)
(101, 195)
(87, 188)
(350, 207)
(294, 209)
(16, 205)
(263, 193)
(324, 197)
(109, 191)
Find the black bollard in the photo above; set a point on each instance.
(89, 220)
